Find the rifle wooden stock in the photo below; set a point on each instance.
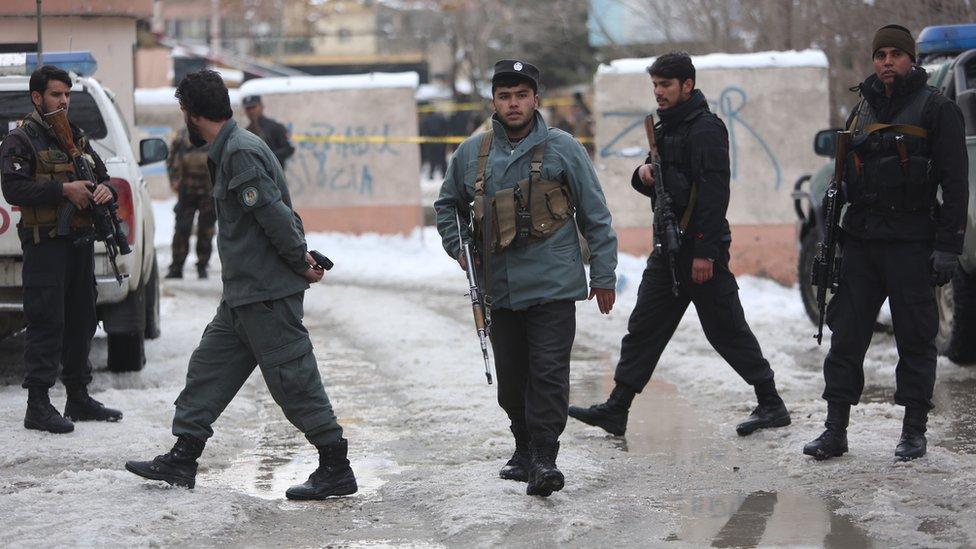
(651, 139)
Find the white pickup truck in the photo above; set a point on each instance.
(129, 312)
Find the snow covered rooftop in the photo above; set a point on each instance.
(167, 96)
(758, 60)
(297, 84)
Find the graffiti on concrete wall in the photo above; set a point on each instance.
(324, 161)
(729, 107)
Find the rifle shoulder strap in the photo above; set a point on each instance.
(906, 129)
(686, 217)
(483, 152)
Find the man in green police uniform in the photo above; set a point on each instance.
(541, 184)
(266, 270)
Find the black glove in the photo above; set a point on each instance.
(943, 266)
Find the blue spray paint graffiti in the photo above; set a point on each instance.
(729, 106)
(334, 166)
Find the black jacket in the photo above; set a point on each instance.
(276, 136)
(947, 139)
(707, 155)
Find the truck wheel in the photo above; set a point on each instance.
(957, 318)
(126, 352)
(808, 251)
(152, 302)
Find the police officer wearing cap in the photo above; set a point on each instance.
(898, 241)
(271, 131)
(536, 203)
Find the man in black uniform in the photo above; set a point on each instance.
(59, 274)
(273, 133)
(694, 148)
(898, 242)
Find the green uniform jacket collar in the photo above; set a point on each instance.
(539, 133)
(217, 147)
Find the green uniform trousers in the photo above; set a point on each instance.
(268, 334)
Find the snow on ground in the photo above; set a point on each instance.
(399, 358)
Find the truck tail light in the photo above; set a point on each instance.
(126, 207)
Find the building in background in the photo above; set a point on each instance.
(107, 28)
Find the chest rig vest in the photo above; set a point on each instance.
(50, 164)
(889, 167)
(193, 169)
(531, 211)
(676, 167)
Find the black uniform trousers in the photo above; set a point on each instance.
(658, 311)
(59, 306)
(872, 270)
(532, 349)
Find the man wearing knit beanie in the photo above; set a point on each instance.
(894, 36)
(899, 242)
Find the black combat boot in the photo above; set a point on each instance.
(334, 477)
(42, 415)
(174, 272)
(771, 411)
(544, 477)
(833, 441)
(202, 272)
(912, 444)
(611, 416)
(178, 467)
(517, 468)
(82, 407)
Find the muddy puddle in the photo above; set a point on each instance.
(667, 428)
(282, 458)
(955, 402)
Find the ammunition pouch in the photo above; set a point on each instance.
(194, 164)
(889, 166)
(889, 171)
(531, 211)
(675, 169)
(50, 164)
(678, 186)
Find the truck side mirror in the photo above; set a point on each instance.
(152, 150)
(825, 143)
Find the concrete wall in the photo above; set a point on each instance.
(153, 68)
(111, 40)
(771, 113)
(351, 187)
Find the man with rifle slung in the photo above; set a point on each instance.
(534, 193)
(39, 176)
(692, 158)
(907, 140)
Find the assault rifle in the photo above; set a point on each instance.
(825, 274)
(667, 232)
(107, 225)
(479, 302)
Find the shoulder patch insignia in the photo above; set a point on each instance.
(250, 196)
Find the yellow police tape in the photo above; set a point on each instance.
(390, 139)
(450, 106)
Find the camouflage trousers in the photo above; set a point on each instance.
(186, 208)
